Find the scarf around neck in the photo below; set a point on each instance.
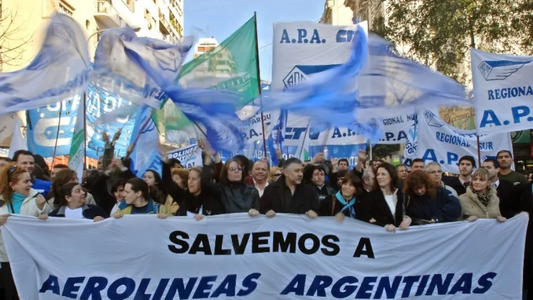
(347, 205)
(483, 196)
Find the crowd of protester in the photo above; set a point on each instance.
(376, 192)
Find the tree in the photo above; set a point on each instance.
(440, 33)
(12, 40)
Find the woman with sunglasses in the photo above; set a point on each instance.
(235, 195)
(274, 174)
(16, 197)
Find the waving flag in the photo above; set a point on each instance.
(330, 98)
(145, 136)
(150, 67)
(390, 82)
(59, 71)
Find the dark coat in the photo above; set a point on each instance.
(89, 211)
(454, 183)
(444, 208)
(324, 192)
(304, 198)
(379, 210)
(510, 198)
(234, 197)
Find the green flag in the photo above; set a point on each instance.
(231, 66)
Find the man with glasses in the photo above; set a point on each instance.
(288, 194)
(435, 173)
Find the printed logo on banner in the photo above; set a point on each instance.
(300, 73)
(500, 69)
(410, 144)
(432, 120)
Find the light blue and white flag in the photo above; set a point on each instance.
(503, 91)
(144, 71)
(145, 136)
(59, 71)
(132, 67)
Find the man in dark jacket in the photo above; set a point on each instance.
(316, 177)
(509, 195)
(467, 164)
(288, 194)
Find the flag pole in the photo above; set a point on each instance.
(85, 160)
(259, 85)
(57, 134)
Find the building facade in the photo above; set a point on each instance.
(26, 21)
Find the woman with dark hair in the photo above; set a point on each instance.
(198, 198)
(72, 204)
(61, 178)
(235, 195)
(386, 203)
(137, 200)
(44, 172)
(346, 202)
(427, 203)
(16, 197)
(155, 186)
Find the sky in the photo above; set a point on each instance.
(220, 18)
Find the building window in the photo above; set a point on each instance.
(65, 8)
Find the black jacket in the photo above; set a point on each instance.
(379, 210)
(454, 183)
(304, 198)
(444, 208)
(89, 211)
(324, 192)
(510, 198)
(234, 198)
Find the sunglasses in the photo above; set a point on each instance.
(233, 169)
(10, 172)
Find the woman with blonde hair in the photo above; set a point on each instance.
(274, 174)
(480, 199)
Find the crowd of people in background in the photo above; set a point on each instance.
(393, 197)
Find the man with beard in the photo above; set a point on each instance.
(288, 194)
(467, 164)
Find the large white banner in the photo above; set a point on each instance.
(287, 257)
(503, 91)
(301, 49)
(439, 142)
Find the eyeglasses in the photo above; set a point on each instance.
(233, 169)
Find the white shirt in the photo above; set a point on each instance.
(462, 181)
(261, 191)
(74, 213)
(391, 203)
(496, 184)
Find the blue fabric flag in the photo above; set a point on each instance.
(390, 82)
(149, 67)
(59, 71)
(145, 136)
(330, 98)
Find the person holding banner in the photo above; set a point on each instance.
(17, 197)
(345, 203)
(428, 203)
(288, 194)
(197, 199)
(235, 194)
(72, 204)
(137, 201)
(386, 202)
(480, 199)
